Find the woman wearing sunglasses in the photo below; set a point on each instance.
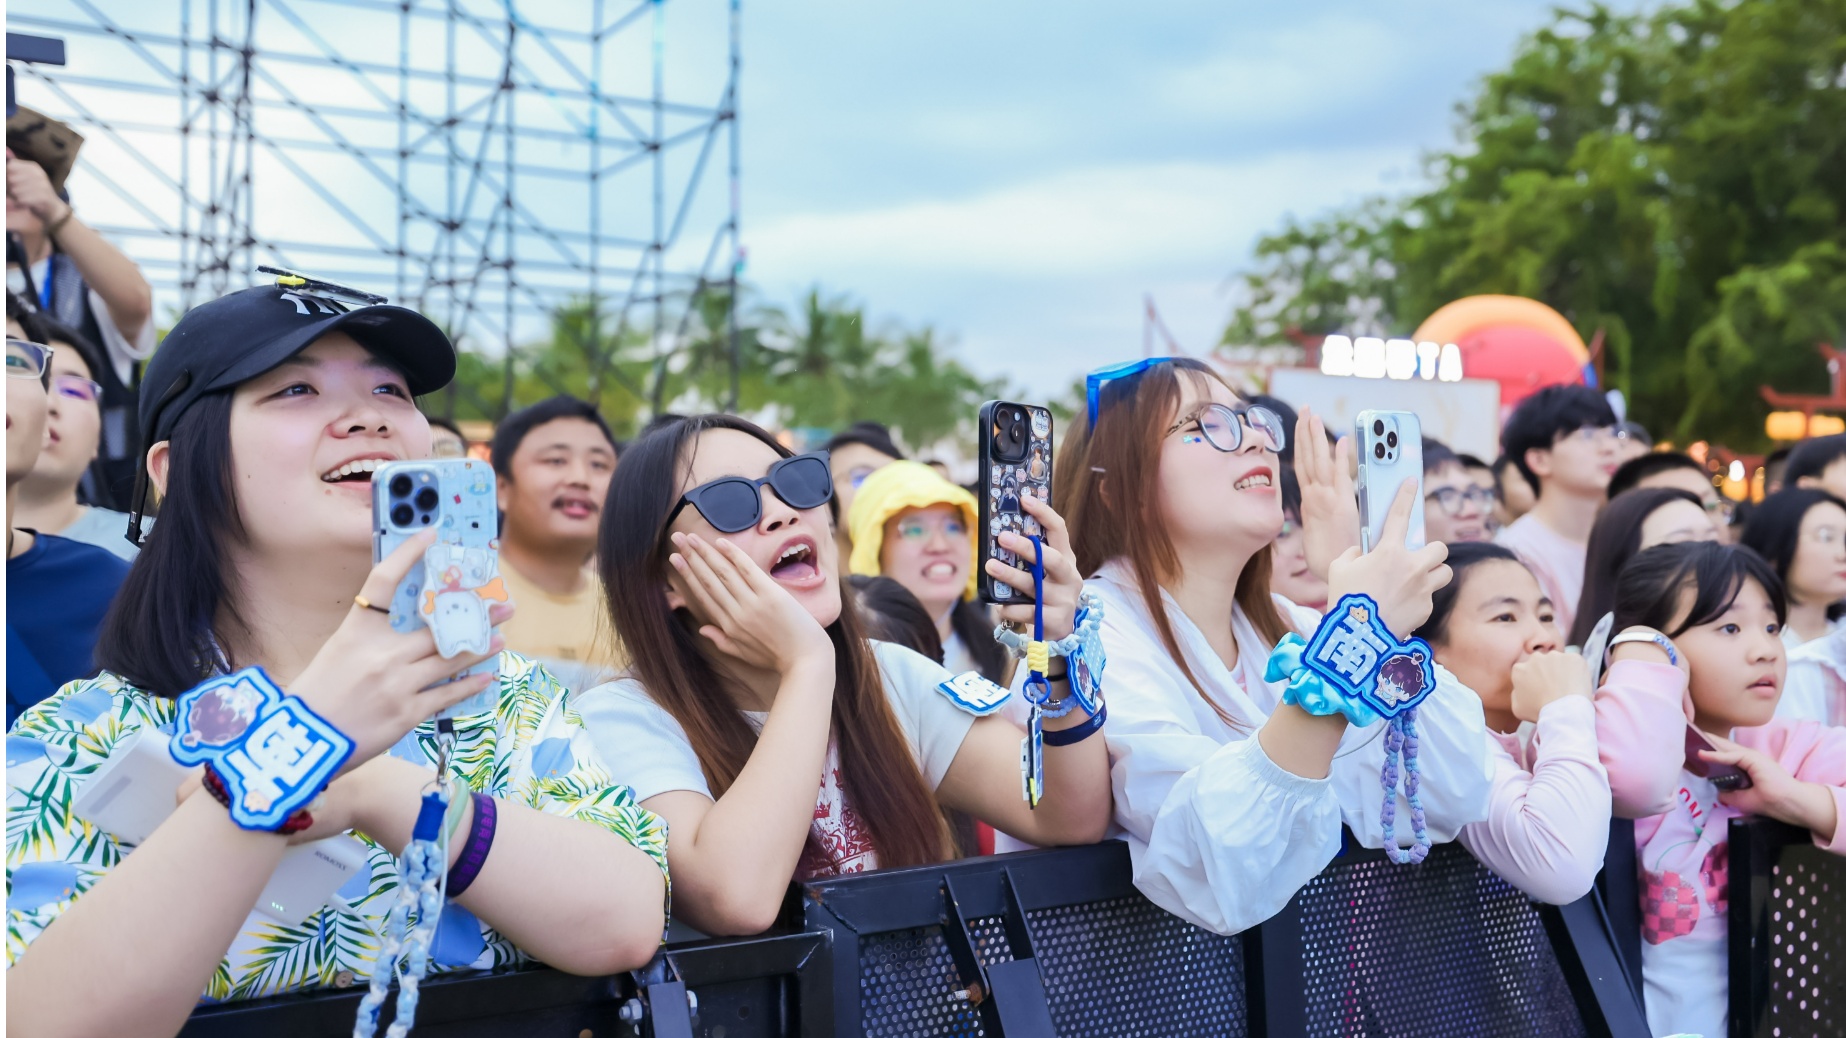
(49, 498)
(1229, 799)
(759, 721)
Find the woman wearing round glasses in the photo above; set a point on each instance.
(757, 718)
(48, 498)
(1230, 800)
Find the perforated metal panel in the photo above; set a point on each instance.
(1443, 948)
(1807, 945)
(1126, 967)
(1118, 967)
(904, 986)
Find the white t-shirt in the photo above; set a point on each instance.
(123, 349)
(955, 655)
(644, 748)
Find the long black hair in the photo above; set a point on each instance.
(1463, 556)
(158, 634)
(1774, 530)
(1614, 540)
(892, 614)
(675, 665)
(1649, 590)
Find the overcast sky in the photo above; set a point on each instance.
(1020, 174)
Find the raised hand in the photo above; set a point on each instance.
(1063, 584)
(1329, 502)
(1544, 678)
(1401, 581)
(1773, 792)
(374, 683)
(745, 613)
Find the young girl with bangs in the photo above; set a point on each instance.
(1703, 621)
(1547, 823)
(775, 739)
(1229, 799)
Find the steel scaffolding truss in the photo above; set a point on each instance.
(487, 166)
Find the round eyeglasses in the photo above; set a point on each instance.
(1222, 426)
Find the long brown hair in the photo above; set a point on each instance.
(877, 769)
(1107, 488)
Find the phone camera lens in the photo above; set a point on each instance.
(401, 515)
(1378, 450)
(1391, 440)
(400, 486)
(427, 499)
(1378, 427)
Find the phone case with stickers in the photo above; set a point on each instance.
(455, 497)
(1015, 457)
(458, 584)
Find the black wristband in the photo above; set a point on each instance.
(1073, 736)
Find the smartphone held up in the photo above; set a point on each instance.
(1015, 460)
(1390, 449)
(451, 592)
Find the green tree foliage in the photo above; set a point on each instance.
(1673, 179)
(819, 367)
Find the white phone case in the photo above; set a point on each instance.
(1390, 454)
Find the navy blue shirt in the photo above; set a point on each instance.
(57, 594)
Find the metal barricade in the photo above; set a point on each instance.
(754, 987)
(1027, 945)
(1787, 933)
(1060, 942)
(1442, 948)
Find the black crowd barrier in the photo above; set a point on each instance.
(1060, 943)
(1788, 933)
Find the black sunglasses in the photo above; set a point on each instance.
(733, 503)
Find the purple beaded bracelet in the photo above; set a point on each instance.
(474, 852)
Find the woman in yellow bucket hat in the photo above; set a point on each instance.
(910, 524)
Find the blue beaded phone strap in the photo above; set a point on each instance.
(422, 887)
(1354, 666)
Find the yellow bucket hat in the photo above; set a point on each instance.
(892, 489)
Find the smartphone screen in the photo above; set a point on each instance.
(1015, 456)
(1725, 776)
(1390, 446)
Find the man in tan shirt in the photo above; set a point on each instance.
(554, 460)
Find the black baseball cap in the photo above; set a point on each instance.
(237, 337)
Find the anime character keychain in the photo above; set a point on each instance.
(1355, 666)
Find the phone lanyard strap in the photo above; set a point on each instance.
(1354, 665)
(1402, 735)
(422, 888)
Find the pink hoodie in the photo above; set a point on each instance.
(1683, 851)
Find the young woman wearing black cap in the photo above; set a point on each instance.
(261, 406)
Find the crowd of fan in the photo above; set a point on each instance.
(736, 695)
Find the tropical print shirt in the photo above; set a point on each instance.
(529, 749)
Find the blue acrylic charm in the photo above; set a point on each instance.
(1354, 651)
(274, 754)
(974, 694)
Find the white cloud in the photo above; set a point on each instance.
(1088, 222)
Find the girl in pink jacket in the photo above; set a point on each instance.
(1705, 620)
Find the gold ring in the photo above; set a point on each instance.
(362, 602)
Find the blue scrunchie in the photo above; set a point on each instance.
(1307, 690)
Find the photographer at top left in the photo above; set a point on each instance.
(75, 275)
